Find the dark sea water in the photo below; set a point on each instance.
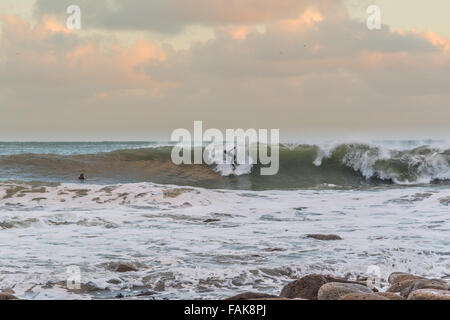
(301, 166)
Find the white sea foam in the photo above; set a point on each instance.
(252, 240)
(224, 165)
(421, 167)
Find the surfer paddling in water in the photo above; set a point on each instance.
(82, 177)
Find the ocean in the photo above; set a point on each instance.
(194, 232)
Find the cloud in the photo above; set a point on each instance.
(309, 46)
(437, 41)
(313, 74)
(49, 54)
(171, 16)
(310, 68)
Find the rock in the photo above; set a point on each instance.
(278, 298)
(10, 291)
(390, 295)
(211, 220)
(445, 201)
(114, 281)
(84, 287)
(363, 296)
(7, 296)
(324, 237)
(273, 249)
(173, 193)
(336, 290)
(146, 293)
(121, 267)
(402, 285)
(425, 284)
(308, 286)
(429, 294)
(361, 278)
(125, 268)
(252, 296)
(396, 277)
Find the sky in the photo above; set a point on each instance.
(137, 70)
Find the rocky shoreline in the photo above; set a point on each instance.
(402, 286)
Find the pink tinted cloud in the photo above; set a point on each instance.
(107, 65)
(296, 59)
(306, 19)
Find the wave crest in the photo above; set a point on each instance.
(420, 165)
(301, 166)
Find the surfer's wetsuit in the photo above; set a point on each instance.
(234, 164)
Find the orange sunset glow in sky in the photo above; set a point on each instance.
(140, 69)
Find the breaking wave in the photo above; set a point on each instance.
(301, 166)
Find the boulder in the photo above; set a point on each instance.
(277, 299)
(324, 237)
(424, 284)
(175, 192)
(7, 296)
(396, 277)
(308, 286)
(336, 290)
(429, 294)
(114, 281)
(363, 296)
(402, 285)
(252, 296)
(390, 295)
(121, 267)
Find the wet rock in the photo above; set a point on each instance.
(173, 193)
(336, 290)
(402, 285)
(425, 284)
(211, 220)
(273, 249)
(88, 287)
(125, 268)
(429, 294)
(121, 267)
(324, 237)
(10, 291)
(279, 298)
(7, 296)
(361, 278)
(363, 296)
(390, 295)
(252, 296)
(114, 281)
(160, 286)
(396, 277)
(146, 293)
(39, 199)
(445, 201)
(308, 286)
